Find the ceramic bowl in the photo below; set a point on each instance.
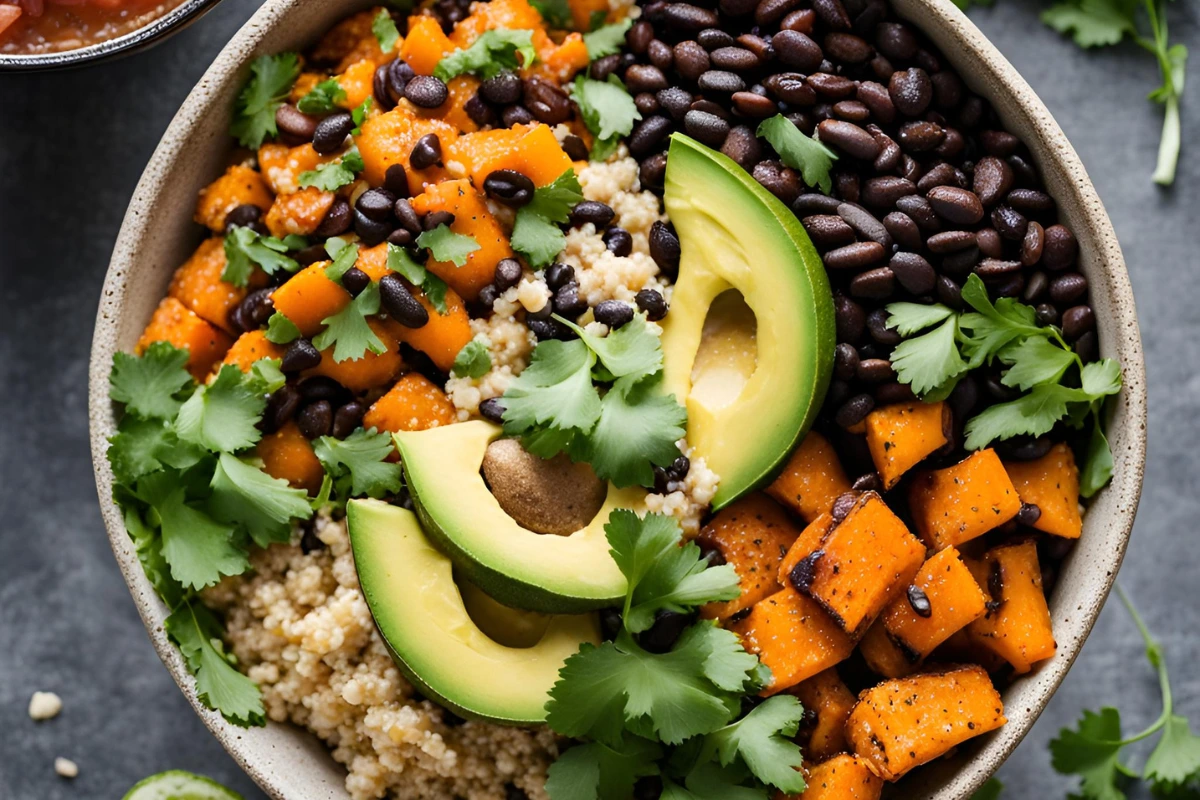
(157, 235)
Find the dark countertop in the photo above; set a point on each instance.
(72, 146)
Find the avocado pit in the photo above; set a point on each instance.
(550, 496)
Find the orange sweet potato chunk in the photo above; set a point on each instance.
(954, 505)
(348, 41)
(1017, 624)
(425, 45)
(752, 536)
(388, 139)
(583, 10)
(415, 403)
(530, 150)
(859, 565)
(793, 636)
(357, 81)
(239, 186)
(843, 777)
(308, 297)
(198, 285)
(443, 336)
(1052, 484)
(471, 218)
(560, 62)
(175, 323)
(453, 111)
(904, 723)
(298, 212)
(902, 638)
(900, 436)
(282, 165)
(812, 479)
(250, 347)
(808, 541)
(825, 696)
(286, 454)
(511, 14)
(369, 372)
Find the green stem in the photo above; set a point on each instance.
(1155, 654)
(1172, 130)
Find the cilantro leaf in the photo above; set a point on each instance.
(446, 245)
(199, 549)
(150, 385)
(1091, 751)
(140, 447)
(1032, 414)
(220, 686)
(347, 331)
(710, 781)
(271, 78)
(763, 741)
(930, 360)
(400, 261)
(493, 52)
(608, 40)
(345, 256)
(473, 361)
(358, 116)
(908, 318)
(1092, 23)
(804, 153)
(223, 415)
(1175, 760)
(555, 390)
(242, 494)
(595, 771)
(148, 546)
(281, 330)
(536, 234)
(384, 28)
(606, 107)
(245, 247)
(334, 175)
(990, 790)
(637, 428)
(1101, 378)
(556, 12)
(993, 326)
(1032, 361)
(1098, 464)
(324, 98)
(358, 463)
(630, 351)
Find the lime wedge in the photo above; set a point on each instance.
(177, 784)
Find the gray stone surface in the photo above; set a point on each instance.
(71, 148)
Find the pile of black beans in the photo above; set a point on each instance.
(927, 189)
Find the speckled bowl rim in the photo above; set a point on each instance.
(290, 764)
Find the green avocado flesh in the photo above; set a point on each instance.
(748, 344)
(179, 785)
(423, 617)
(520, 568)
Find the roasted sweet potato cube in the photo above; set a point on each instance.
(471, 218)
(251, 347)
(425, 44)
(370, 371)
(239, 186)
(904, 723)
(388, 139)
(198, 285)
(1017, 625)
(812, 479)
(808, 541)
(901, 435)
(288, 455)
(793, 636)
(843, 777)
(954, 505)
(859, 565)
(175, 323)
(415, 403)
(298, 212)
(943, 598)
(752, 535)
(826, 699)
(1052, 484)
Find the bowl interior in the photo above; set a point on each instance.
(157, 235)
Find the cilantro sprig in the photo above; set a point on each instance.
(606, 108)
(324, 98)
(804, 153)
(536, 234)
(607, 40)
(942, 345)
(493, 52)
(336, 174)
(400, 261)
(245, 248)
(446, 245)
(271, 78)
(673, 714)
(385, 30)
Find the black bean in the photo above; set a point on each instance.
(707, 128)
(874, 284)
(734, 58)
(427, 152)
(652, 304)
(812, 203)
(598, 214)
(867, 483)
(854, 410)
(320, 387)
(648, 136)
(395, 181)
(913, 273)
(1060, 248)
(1065, 289)
(712, 38)
(645, 78)
(992, 180)
(849, 319)
(781, 181)
(845, 361)
(379, 88)
(921, 137)
(989, 242)
(832, 87)
(1025, 448)
(408, 218)
(921, 212)
(1087, 347)
(752, 105)
(492, 409)
(559, 275)
(546, 329)
(546, 101)
(315, 252)
(315, 419)
(502, 89)
(950, 242)
(400, 304)
(689, 18)
(426, 91)
(652, 171)
(575, 148)
(613, 313)
(1035, 288)
(436, 218)
(1033, 244)
(918, 601)
(893, 392)
(742, 146)
(942, 175)
(639, 36)
(399, 73)
(376, 203)
(509, 187)
(1029, 514)
(875, 370)
(896, 41)
(508, 274)
(479, 111)
(567, 302)
(832, 13)
(331, 133)
(294, 123)
(354, 280)
(691, 60)
(675, 101)
(961, 262)
(843, 505)
(618, 241)
(337, 220)
(1030, 201)
(1010, 223)
(999, 143)
(1076, 321)
(281, 407)
(856, 112)
(866, 224)
(958, 206)
(799, 20)
(847, 48)
(516, 115)
(849, 138)
(347, 418)
(797, 50)
(911, 91)
(371, 231)
(664, 247)
(1046, 314)
(949, 293)
(993, 268)
(242, 216)
(828, 231)
(720, 82)
(903, 230)
(790, 88)
(484, 301)
(646, 104)
(883, 191)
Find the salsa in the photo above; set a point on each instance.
(30, 27)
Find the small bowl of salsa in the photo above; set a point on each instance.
(48, 34)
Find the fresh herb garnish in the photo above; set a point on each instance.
(281, 330)
(218, 683)
(607, 40)
(324, 98)
(607, 110)
(150, 385)
(401, 262)
(344, 255)
(446, 245)
(672, 714)
(1037, 360)
(555, 12)
(336, 174)
(358, 464)
(384, 28)
(536, 234)
(358, 116)
(473, 361)
(805, 153)
(493, 52)
(245, 247)
(347, 331)
(271, 78)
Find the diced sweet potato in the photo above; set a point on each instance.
(901, 435)
(812, 479)
(282, 165)
(286, 454)
(1052, 484)
(582, 12)
(443, 336)
(1017, 624)
(373, 261)
(512, 14)
(808, 541)
(827, 698)
(198, 285)
(903, 637)
(961, 648)
(176, 323)
(389, 138)
(298, 212)
(357, 81)
(904, 723)
(425, 45)
(954, 505)
(369, 372)
(859, 565)
(530, 150)
(793, 636)
(843, 777)
(471, 218)
(752, 535)
(239, 186)
(560, 62)
(308, 297)
(453, 111)
(250, 347)
(348, 41)
(414, 404)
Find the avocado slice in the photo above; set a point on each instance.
(522, 569)
(422, 616)
(750, 398)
